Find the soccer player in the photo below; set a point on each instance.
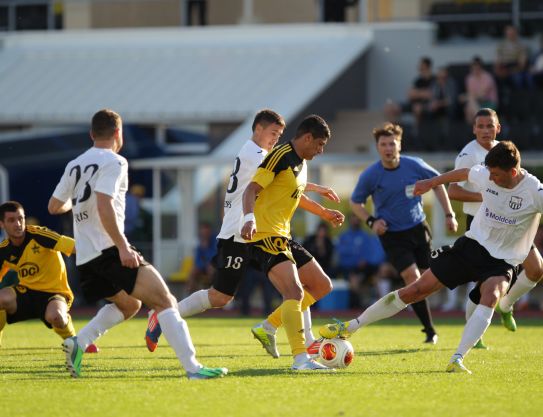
(40, 290)
(279, 184)
(94, 186)
(232, 257)
(498, 240)
(486, 127)
(399, 219)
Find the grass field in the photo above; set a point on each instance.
(393, 374)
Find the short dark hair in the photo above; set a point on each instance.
(267, 117)
(426, 61)
(504, 155)
(387, 129)
(315, 125)
(9, 207)
(104, 123)
(486, 112)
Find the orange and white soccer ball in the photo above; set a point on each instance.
(336, 353)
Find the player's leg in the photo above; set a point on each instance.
(284, 277)
(151, 289)
(8, 303)
(526, 281)
(492, 289)
(472, 301)
(387, 306)
(231, 264)
(3, 321)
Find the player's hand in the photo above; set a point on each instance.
(380, 227)
(422, 186)
(329, 193)
(248, 230)
(129, 257)
(335, 217)
(452, 224)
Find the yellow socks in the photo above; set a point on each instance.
(291, 316)
(275, 317)
(67, 331)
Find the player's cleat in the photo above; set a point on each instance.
(310, 365)
(153, 332)
(266, 339)
(92, 348)
(74, 355)
(480, 344)
(507, 319)
(313, 348)
(431, 337)
(336, 329)
(457, 366)
(207, 373)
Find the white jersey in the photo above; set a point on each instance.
(507, 220)
(472, 154)
(96, 170)
(248, 160)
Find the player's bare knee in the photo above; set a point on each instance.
(534, 275)
(218, 299)
(56, 319)
(129, 307)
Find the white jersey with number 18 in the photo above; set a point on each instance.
(96, 170)
(248, 160)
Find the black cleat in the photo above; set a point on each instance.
(431, 336)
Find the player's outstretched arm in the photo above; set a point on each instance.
(457, 175)
(323, 190)
(335, 217)
(458, 193)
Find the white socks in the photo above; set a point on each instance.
(177, 334)
(196, 303)
(107, 317)
(470, 308)
(519, 288)
(309, 338)
(475, 328)
(387, 306)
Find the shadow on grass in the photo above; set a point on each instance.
(398, 351)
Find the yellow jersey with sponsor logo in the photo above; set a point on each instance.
(38, 261)
(283, 177)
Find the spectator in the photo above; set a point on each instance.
(444, 96)
(536, 70)
(512, 59)
(320, 245)
(419, 94)
(138, 221)
(481, 90)
(359, 257)
(202, 272)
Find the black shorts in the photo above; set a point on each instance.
(105, 276)
(467, 261)
(31, 304)
(231, 263)
(407, 247)
(264, 260)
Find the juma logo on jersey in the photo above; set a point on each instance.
(28, 269)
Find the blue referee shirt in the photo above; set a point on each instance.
(387, 189)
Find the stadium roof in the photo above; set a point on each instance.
(174, 75)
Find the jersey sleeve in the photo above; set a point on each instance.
(64, 189)
(426, 171)
(363, 188)
(109, 176)
(52, 240)
(539, 197)
(274, 163)
(478, 176)
(263, 177)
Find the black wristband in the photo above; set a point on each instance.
(449, 215)
(370, 220)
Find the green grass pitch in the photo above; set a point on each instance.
(393, 374)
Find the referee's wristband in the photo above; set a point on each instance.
(449, 215)
(370, 220)
(249, 217)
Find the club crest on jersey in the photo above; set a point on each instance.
(515, 203)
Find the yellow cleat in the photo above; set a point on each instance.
(457, 366)
(336, 329)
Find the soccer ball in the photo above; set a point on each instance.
(336, 353)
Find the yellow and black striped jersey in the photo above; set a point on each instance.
(38, 261)
(283, 177)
